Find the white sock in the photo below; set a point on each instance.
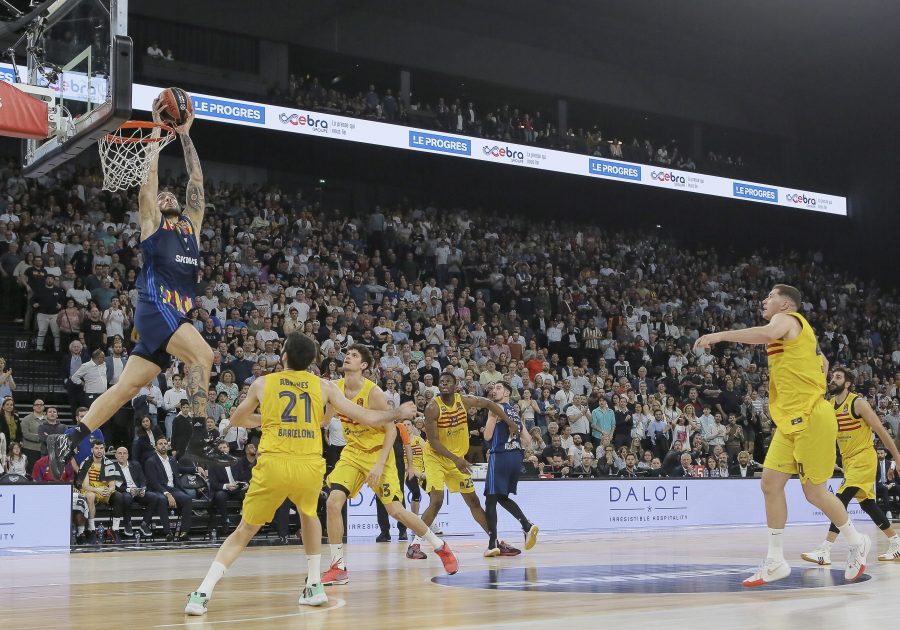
(853, 536)
(79, 529)
(418, 540)
(433, 540)
(827, 545)
(776, 544)
(337, 555)
(313, 569)
(91, 525)
(115, 523)
(215, 573)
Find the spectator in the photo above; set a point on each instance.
(228, 482)
(734, 437)
(744, 467)
(16, 461)
(629, 471)
(132, 487)
(85, 447)
(154, 51)
(93, 331)
(41, 472)
(69, 321)
(685, 467)
(145, 438)
(97, 481)
(47, 301)
(162, 473)
(115, 319)
(115, 362)
(182, 430)
(229, 387)
(9, 421)
(149, 402)
(607, 465)
(172, 403)
(91, 376)
(31, 425)
(50, 426)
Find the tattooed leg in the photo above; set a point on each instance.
(197, 382)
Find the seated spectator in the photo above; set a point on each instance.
(154, 51)
(41, 471)
(537, 441)
(132, 486)
(629, 471)
(607, 465)
(16, 462)
(744, 467)
(656, 469)
(558, 467)
(97, 479)
(586, 468)
(163, 478)
(554, 450)
(685, 467)
(530, 464)
(228, 482)
(145, 437)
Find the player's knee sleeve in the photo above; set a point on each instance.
(878, 517)
(847, 495)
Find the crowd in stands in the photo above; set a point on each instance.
(504, 123)
(592, 329)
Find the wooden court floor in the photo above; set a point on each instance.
(657, 579)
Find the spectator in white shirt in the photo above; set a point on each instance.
(92, 377)
(579, 417)
(266, 334)
(391, 361)
(154, 399)
(564, 396)
(172, 402)
(154, 51)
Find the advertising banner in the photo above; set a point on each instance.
(35, 515)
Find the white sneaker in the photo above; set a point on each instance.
(313, 595)
(892, 554)
(856, 559)
(820, 555)
(196, 606)
(770, 571)
(889, 516)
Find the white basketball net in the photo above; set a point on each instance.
(125, 153)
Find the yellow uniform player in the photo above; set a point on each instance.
(290, 463)
(803, 443)
(856, 421)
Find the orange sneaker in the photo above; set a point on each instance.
(451, 565)
(335, 576)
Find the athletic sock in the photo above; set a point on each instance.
(894, 540)
(337, 555)
(776, 544)
(215, 573)
(91, 525)
(432, 539)
(827, 545)
(418, 540)
(853, 536)
(115, 523)
(82, 431)
(313, 569)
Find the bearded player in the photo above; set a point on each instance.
(167, 287)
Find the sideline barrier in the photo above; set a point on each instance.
(598, 504)
(35, 515)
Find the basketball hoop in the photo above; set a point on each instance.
(126, 153)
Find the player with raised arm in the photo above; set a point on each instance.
(290, 463)
(856, 422)
(505, 456)
(368, 459)
(804, 440)
(167, 286)
(446, 425)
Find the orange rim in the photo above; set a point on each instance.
(140, 124)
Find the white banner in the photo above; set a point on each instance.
(590, 505)
(247, 113)
(35, 515)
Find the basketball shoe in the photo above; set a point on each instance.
(507, 550)
(451, 564)
(414, 552)
(893, 553)
(770, 571)
(196, 605)
(531, 537)
(335, 576)
(820, 555)
(313, 595)
(856, 559)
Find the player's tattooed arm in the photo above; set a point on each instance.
(195, 201)
(196, 390)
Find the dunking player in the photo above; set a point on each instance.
(806, 428)
(856, 422)
(369, 459)
(290, 463)
(167, 286)
(505, 457)
(446, 425)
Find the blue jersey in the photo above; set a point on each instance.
(171, 261)
(500, 441)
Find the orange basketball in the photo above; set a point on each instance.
(177, 106)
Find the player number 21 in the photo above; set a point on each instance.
(288, 414)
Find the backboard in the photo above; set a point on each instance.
(79, 60)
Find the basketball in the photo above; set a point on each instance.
(177, 106)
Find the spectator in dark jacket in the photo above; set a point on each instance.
(228, 482)
(145, 436)
(132, 486)
(163, 478)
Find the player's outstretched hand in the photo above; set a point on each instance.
(707, 341)
(407, 410)
(185, 128)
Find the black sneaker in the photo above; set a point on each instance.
(128, 532)
(92, 537)
(402, 536)
(60, 449)
(383, 538)
(146, 530)
(170, 537)
(81, 538)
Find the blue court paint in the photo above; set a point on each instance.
(639, 578)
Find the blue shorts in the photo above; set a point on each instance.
(155, 324)
(503, 473)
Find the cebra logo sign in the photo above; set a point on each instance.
(755, 192)
(509, 153)
(619, 170)
(229, 110)
(668, 177)
(303, 119)
(800, 199)
(440, 143)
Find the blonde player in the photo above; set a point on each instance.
(806, 431)
(290, 464)
(447, 428)
(368, 459)
(856, 422)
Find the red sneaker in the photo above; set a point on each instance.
(335, 576)
(507, 550)
(414, 552)
(451, 565)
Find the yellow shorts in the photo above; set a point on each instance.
(279, 477)
(353, 467)
(99, 498)
(440, 472)
(809, 453)
(859, 472)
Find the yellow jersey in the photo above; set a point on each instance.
(360, 436)
(291, 411)
(796, 378)
(453, 426)
(417, 446)
(854, 433)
